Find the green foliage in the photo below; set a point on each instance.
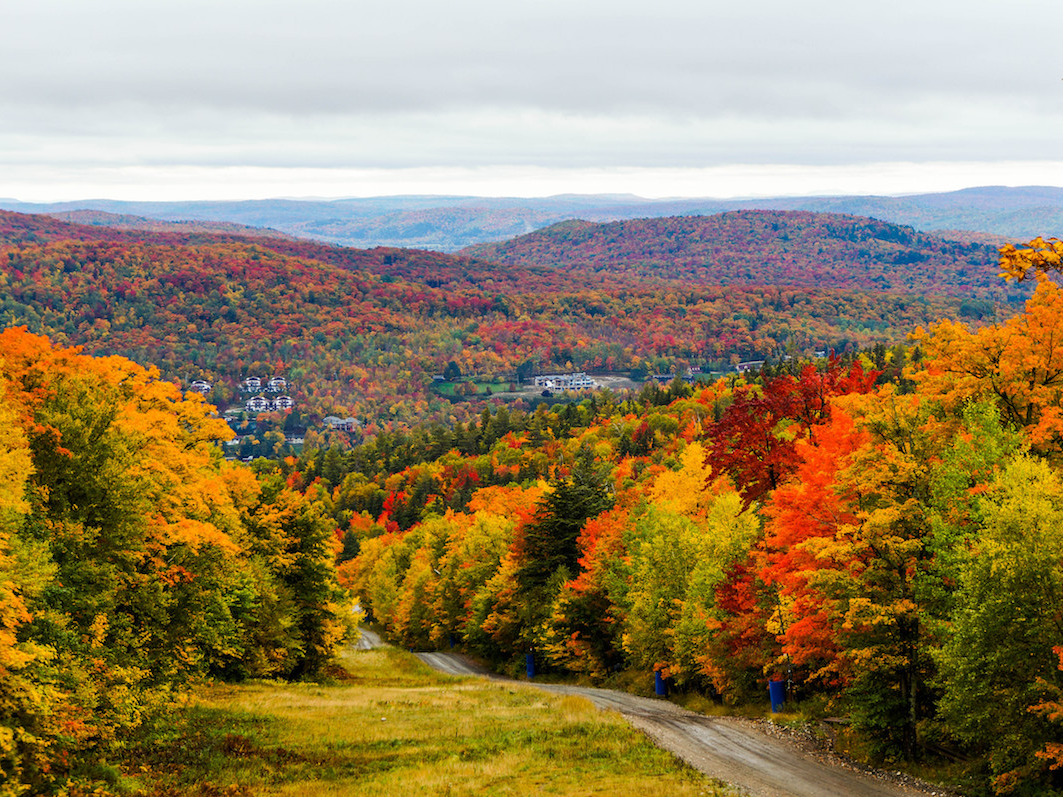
(677, 564)
(292, 540)
(548, 554)
(550, 540)
(1000, 656)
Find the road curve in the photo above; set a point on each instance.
(367, 640)
(729, 749)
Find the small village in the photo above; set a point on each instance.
(262, 395)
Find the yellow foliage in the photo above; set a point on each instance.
(689, 491)
(1018, 362)
(1037, 257)
(15, 466)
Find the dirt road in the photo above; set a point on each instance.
(729, 749)
(367, 640)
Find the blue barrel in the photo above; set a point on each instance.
(659, 686)
(777, 693)
(529, 661)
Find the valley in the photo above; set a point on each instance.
(813, 441)
(365, 333)
(694, 370)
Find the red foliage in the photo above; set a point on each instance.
(754, 440)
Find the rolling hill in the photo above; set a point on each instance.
(363, 332)
(748, 248)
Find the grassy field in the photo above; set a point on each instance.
(450, 389)
(391, 726)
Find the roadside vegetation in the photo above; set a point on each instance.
(134, 562)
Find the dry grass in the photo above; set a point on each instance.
(395, 727)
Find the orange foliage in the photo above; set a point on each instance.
(809, 507)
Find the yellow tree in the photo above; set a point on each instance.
(121, 569)
(677, 563)
(1037, 257)
(24, 705)
(1019, 362)
(15, 465)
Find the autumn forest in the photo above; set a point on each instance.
(872, 514)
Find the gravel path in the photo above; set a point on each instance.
(367, 640)
(739, 752)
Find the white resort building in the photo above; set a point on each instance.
(263, 404)
(578, 381)
(342, 424)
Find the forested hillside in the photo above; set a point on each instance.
(133, 560)
(791, 248)
(887, 544)
(879, 529)
(363, 332)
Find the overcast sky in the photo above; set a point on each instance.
(153, 99)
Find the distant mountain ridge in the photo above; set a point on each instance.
(450, 223)
(119, 221)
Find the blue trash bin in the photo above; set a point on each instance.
(659, 685)
(777, 693)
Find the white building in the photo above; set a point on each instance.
(578, 381)
(749, 365)
(263, 404)
(258, 404)
(342, 424)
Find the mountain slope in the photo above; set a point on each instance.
(386, 263)
(792, 248)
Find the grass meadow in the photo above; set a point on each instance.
(389, 725)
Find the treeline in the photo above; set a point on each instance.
(133, 560)
(892, 549)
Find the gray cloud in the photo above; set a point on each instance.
(407, 83)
